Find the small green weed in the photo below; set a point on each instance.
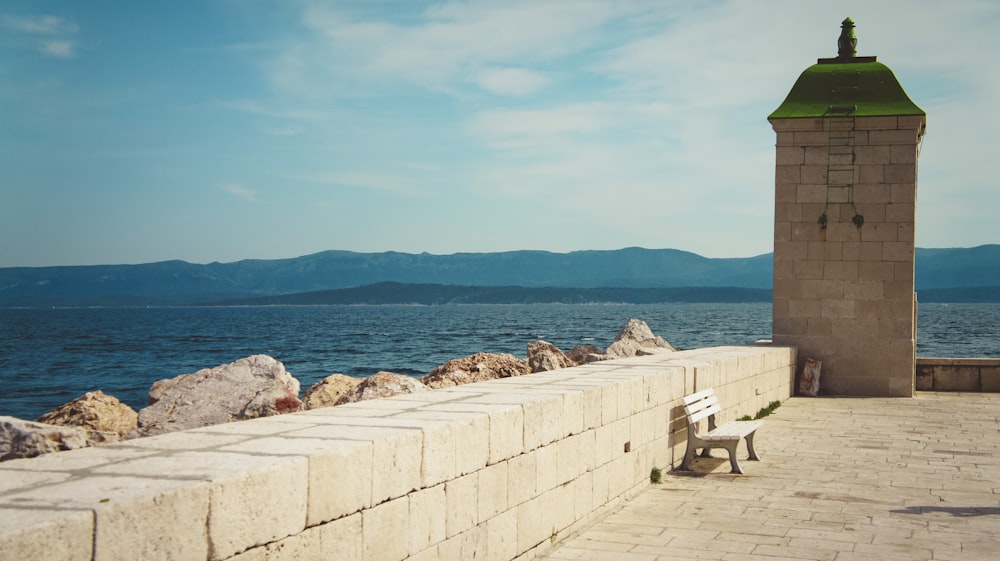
(655, 475)
(764, 412)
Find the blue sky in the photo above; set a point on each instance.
(221, 130)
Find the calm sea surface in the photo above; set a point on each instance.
(50, 356)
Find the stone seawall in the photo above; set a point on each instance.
(958, 374)
(494, 470)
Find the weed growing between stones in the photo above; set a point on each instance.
(764, 412)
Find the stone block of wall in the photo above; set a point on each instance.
(951, 379)
(990, 378)
(384, 531)
(47, 535)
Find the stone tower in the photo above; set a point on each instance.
(848, 138)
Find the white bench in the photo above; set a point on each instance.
(704, 404)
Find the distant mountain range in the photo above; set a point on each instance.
(962, 274)
(440, 294)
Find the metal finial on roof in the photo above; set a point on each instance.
(847, 45)
(848, 42)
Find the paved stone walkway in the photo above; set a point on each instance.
(841, 479)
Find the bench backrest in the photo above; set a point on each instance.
(700, 405)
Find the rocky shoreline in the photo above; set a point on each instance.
(259, 386)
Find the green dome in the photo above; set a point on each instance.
(868, 87)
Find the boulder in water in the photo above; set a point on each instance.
(256, 386)
(583, 354)
(95, 412)
(476, 368)
(382, 384)
(637, 339)
(27, 439)
(544, 356)
(327, 391)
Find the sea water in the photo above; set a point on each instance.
(50, 356)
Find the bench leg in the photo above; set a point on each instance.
(753, 453)
(731, 448)
(688, 457)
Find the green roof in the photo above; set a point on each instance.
(869, 87)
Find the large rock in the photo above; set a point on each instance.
(583, 354)
(475, 368)
(95, 412)
(27, 439)
(328, 391)
(544, 356)
(256, 386)
(637, 339)
(382, 384)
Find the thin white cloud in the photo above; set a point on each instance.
(57, 33)
(45, 25)
(373, 181)
(535, 128)
(444, 45)
(59, 49)
(516, 82)
(285, 131)
(425, 167)
(257, 108)
(241, 192)
(243, 47)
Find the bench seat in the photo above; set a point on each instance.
(733, 431)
